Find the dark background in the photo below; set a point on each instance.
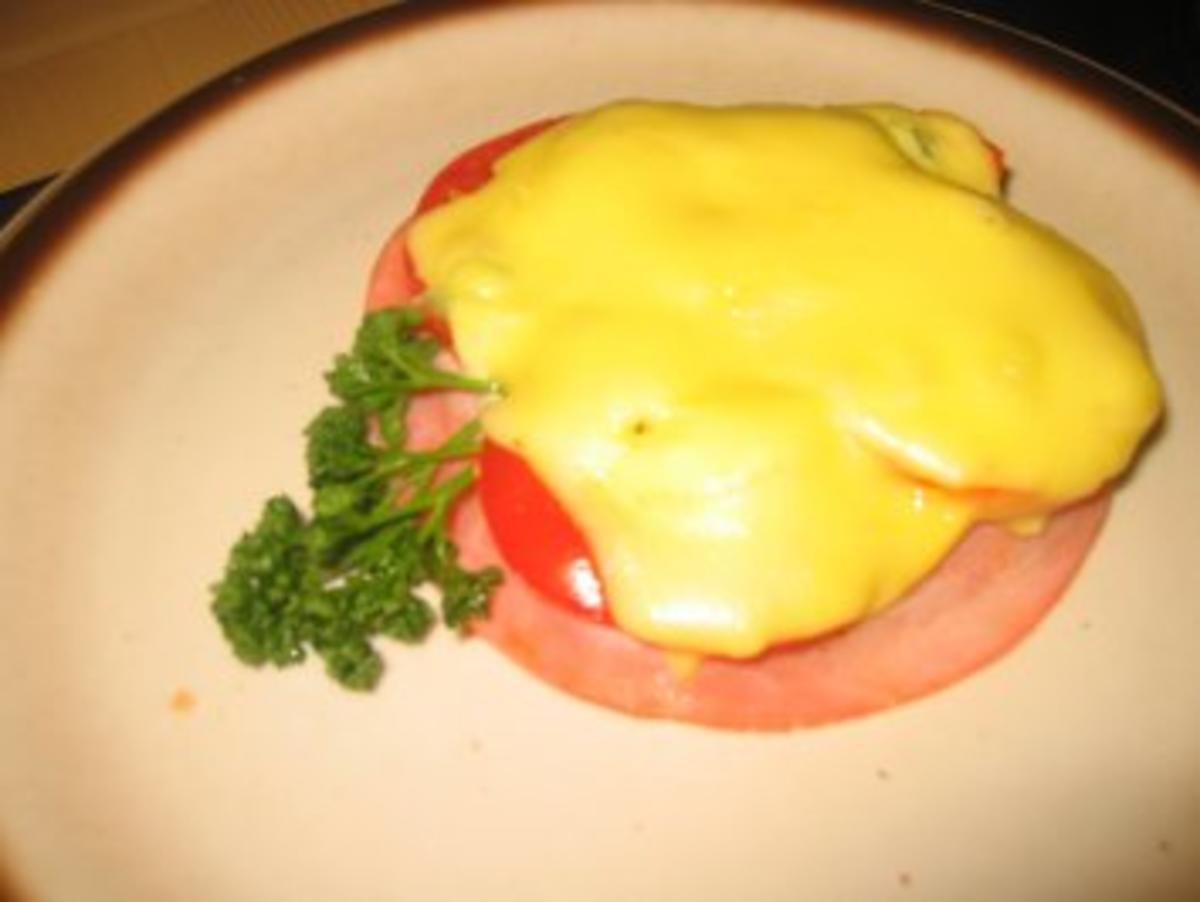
(1154, 42)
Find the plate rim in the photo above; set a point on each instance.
(46, 225)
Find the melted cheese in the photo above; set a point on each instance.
(776, 361)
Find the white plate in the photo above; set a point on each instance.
(167, 316)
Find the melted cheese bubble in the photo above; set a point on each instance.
(775, 361)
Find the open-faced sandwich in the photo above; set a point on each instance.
(755, 417)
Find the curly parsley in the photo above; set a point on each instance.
(333, 582)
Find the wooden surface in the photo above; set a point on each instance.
(76, 73)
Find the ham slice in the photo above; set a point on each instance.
(987, 595)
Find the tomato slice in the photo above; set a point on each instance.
(534, 533)
(473, 168)
(997, 154)
(394, 278)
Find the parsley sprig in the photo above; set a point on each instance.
(355, 570)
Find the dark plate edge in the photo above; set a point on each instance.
(32, 238)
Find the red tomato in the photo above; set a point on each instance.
(536, 537)
(394, 278)
(987, 595)
(472, 169)
(997, 154)
(534, 533)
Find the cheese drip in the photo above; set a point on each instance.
(775, 361)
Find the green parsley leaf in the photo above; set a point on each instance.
(335, 582)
